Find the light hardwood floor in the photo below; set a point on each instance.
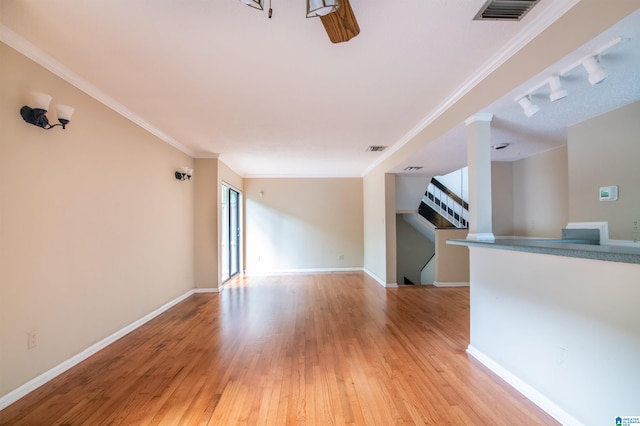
(318, 349)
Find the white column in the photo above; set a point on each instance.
(479, 163)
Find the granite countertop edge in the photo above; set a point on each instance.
(608, 253)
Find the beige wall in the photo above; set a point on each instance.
(502, 198)
(390, 227)
(228, 176)
(206, 208)
(452, 261)
(541, 197)
(303, 224)
(95, 231)
(604, 151)
(374, 211)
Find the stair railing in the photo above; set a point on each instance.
(446, 203)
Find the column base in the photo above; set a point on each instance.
(484, 236)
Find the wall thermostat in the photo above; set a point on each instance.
(609, 193)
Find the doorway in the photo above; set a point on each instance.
(230, 228)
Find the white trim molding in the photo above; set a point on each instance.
(484, 117)
(525, 389)
(450, 284)
(51, 374)
(207, 290)
(380, 281)
(267, 273)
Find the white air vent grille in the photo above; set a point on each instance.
(504, 10)
(376, 148)
(412, 168)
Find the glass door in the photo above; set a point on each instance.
(230, 229)
(234, 232)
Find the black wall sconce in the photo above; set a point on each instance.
(185, 173)
(37, 115)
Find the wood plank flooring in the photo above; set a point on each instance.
(317, 349)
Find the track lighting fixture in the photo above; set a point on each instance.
(38, 114)
(596, 73)
(529, 108)
(590, 63)
(185, 173)
(557, 92)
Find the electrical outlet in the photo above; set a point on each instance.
(32, 339)
(341, 257)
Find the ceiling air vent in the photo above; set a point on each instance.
(504, 10)
(376, 148)
(412, 168)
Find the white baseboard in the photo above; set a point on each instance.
(379, 280)
(375, 277)
(450, 284)
(256, 273)
(521, 386)
(206, 290)
(319, 271)
(36, 382)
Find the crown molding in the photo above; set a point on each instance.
(484, 117)
(209, 155)
(29, 50)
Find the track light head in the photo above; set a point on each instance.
(557, 92)
(529, 108)
(596, 73)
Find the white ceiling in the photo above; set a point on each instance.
(274, 97)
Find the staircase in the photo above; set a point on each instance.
(443, 208)
(440, 208)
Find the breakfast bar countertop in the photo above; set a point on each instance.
(624, 253)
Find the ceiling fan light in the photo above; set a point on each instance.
(317, 8)
(256, 4)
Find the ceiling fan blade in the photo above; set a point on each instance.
(341, 25)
